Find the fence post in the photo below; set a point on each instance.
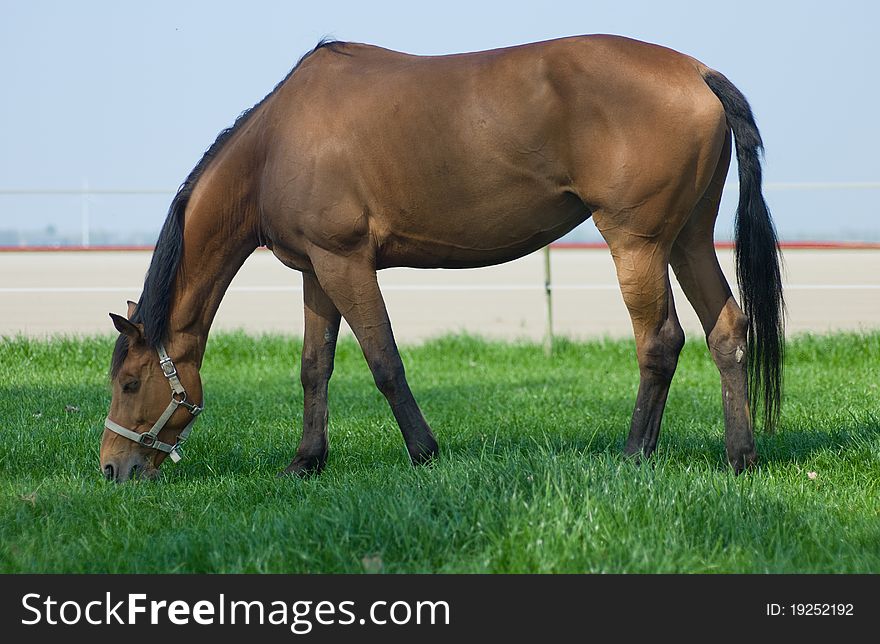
(548, 291)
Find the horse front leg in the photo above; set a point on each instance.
(319, 348)
(350, 282)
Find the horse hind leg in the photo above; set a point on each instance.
(319, 348)
(642, 271)
(659, 340)
(696, 266)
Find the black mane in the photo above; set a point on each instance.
(155, 302)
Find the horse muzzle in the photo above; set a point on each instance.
(130, 466)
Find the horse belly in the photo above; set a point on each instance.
(482, 237)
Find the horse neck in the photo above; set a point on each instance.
(221, 229)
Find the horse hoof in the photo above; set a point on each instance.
(743, 462)
(425, 455)
(304, 467)
(637, 454)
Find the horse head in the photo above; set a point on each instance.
(151, 412)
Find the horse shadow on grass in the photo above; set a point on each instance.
(524, 421)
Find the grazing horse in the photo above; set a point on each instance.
(364, 158)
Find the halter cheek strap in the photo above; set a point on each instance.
(178, 399)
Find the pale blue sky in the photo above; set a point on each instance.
(129, 95)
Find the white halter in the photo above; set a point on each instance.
(178, 399)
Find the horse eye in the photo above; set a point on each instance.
(131, 387)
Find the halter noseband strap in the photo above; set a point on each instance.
(178, 399)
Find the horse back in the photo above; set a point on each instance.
(478, 158)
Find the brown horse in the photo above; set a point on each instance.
(364, 158)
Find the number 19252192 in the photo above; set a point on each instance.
(807, 610)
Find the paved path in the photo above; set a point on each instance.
(72, 292)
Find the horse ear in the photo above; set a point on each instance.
(126, 327)
(131, 307)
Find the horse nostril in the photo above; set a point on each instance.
(108, 472)
(134, 472)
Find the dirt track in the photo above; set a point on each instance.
(72, 292)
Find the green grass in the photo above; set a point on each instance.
(530, 480)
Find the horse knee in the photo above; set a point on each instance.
(315, 371)
(658, 355)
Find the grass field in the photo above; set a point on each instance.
(530, 480)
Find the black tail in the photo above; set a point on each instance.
(757, 255)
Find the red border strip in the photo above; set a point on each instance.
(71, 249)
(792, 245)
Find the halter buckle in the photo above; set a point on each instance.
(147, 439)
(168, 367)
